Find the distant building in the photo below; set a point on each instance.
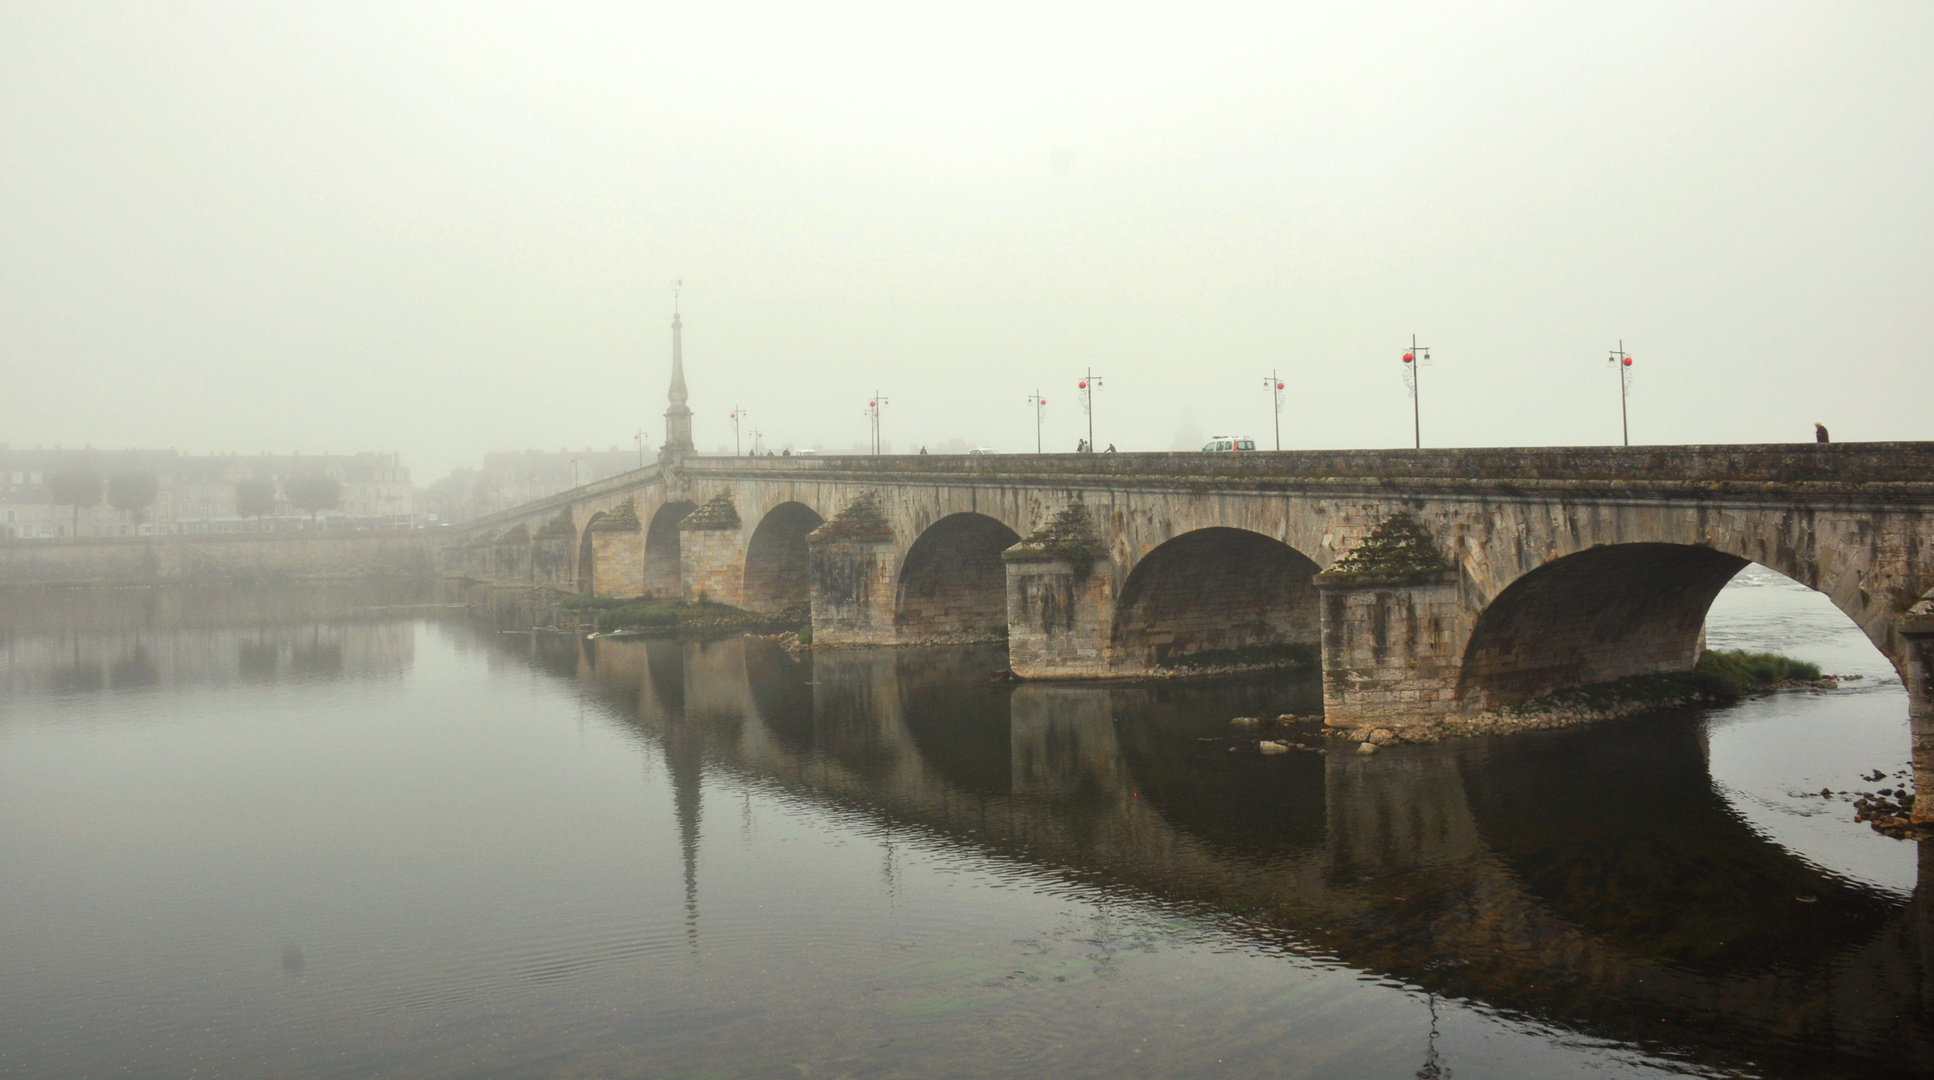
(196, 493)
(512, 477)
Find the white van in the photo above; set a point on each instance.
(1229, 444)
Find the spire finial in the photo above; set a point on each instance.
(678, 418)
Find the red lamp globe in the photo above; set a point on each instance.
(870, 404)
(1082, 385)
(1279, 386)
(1628, 361)
(1408, 357)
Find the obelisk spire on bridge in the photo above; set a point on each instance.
(678, 418)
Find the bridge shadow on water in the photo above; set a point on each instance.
(1593, 880)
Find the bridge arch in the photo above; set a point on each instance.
(953, 585)
(588, 557)
(1211, 590)
(664, 576)
(1603, 613)
(778, 565)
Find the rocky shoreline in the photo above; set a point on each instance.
(1559, 711)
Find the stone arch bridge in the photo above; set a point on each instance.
(1431, 583)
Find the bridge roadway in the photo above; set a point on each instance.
(1432, 583)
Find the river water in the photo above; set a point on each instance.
(276, 832)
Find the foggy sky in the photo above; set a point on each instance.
(446, 229)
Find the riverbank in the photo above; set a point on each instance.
(224, 557)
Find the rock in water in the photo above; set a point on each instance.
(1269, 747)
(1366, 748)
(1245, 721)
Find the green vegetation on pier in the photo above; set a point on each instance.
(1719, 676)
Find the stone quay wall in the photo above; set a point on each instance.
(232, 557)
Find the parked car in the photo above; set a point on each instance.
(978, 450)
(1219, 444)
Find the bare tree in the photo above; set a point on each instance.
(255, 497)
(132, 491)
(315, 493)
(75, 488)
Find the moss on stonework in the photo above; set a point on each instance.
(1069, 537)
(559, 526)
(516, 534)
(623, 519)
(1398, 550)
(861, 520)
(720, 513)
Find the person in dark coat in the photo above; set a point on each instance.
(1819, 432)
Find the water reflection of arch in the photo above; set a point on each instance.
(856, 722)
(956, 717)
(780, 688)
(1618, 827)
(1244, 804)
(1427, 868)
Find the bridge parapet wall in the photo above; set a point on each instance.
(1839, 464)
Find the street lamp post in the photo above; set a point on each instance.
(1418, 356)
(873, 414)
(1040, 403)
(1088, 386)
(1275, 387)
(640, 438)
(1621, 361)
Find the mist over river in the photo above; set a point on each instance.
(313, 833)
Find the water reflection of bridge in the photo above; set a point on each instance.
(1590, 878)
